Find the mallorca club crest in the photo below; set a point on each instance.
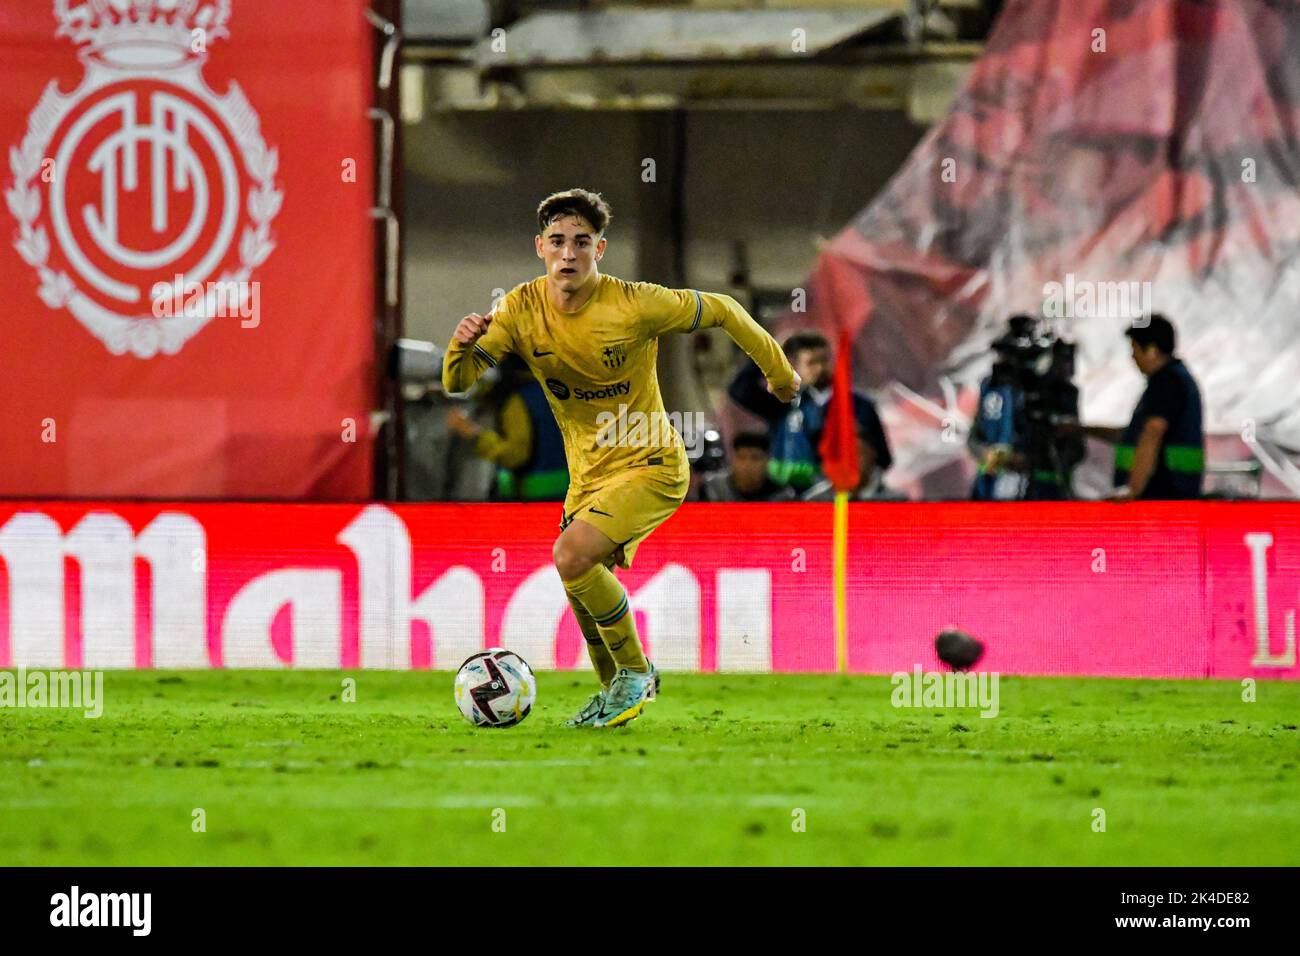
(144, 200)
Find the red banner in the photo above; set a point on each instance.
(187, 258)
(1166, 590)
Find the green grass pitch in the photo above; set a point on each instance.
(722, 770)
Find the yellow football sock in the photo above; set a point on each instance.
(596, 649)
(606, 601)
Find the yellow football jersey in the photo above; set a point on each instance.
(597, 365)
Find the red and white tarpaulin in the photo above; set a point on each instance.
(1105, 158)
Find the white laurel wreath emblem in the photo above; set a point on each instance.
(142, 335)
(24, 203)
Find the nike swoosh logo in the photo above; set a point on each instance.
(537, 354)
(597, 511)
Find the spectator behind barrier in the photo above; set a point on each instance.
(796, 428)
(525, 445)
(746, 477)
(871, 485)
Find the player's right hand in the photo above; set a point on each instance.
(472, 327)
(788, 393)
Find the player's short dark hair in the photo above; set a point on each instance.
(804, 341)
(751, 440)
(575, 202)
(1157, 331)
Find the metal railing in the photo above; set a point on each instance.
(386, 421)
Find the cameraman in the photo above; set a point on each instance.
(1014, 436)
(1161, 454)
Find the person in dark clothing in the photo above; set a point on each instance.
(525, 446)
(1160, 455)
(870, 487)
(746, 477)
(796, 429)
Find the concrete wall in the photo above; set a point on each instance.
(775, 180)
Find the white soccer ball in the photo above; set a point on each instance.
(495, 688)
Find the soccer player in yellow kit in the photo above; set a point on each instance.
(592, 341)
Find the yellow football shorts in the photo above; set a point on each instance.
(629, 506)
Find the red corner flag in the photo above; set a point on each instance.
(839, 444)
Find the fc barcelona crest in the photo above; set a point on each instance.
(614, 355)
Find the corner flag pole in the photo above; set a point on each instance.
(841, 581)
(840, 463)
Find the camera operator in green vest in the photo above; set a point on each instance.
(525, 444)
(1161, 454)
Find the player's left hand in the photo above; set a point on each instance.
(788, 393)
